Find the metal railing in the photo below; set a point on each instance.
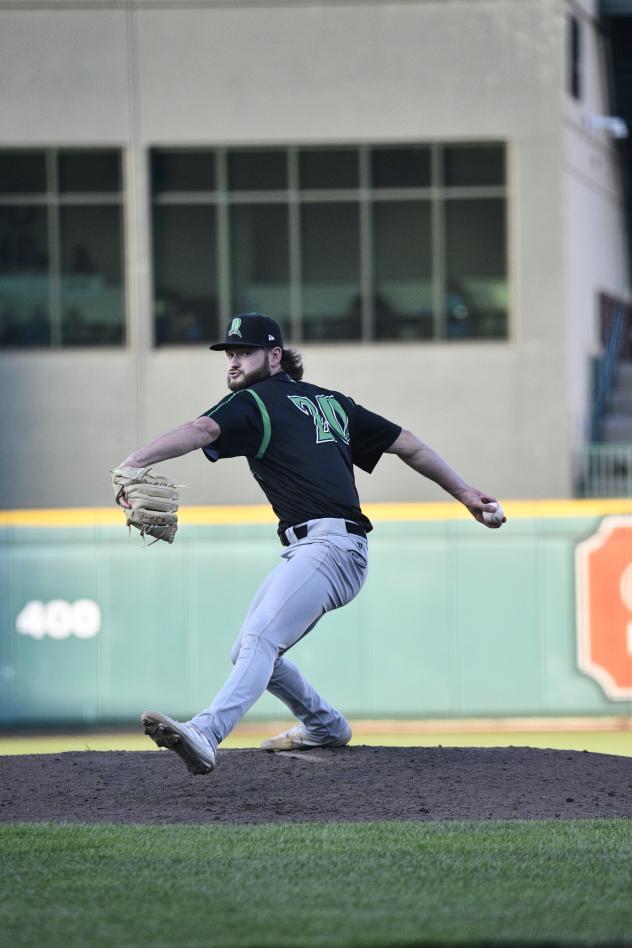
(606, 471)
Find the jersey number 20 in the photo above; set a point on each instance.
(330, 419)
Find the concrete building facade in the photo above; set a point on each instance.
(508, 406)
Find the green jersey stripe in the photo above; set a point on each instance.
(267, 427)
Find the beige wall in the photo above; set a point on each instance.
(595, 258)
(253, 73)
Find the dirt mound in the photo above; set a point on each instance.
(351, 784)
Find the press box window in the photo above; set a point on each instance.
(22, 172)
(473, 166)
(259, 261)
(339, 243)
(475, 302)
(61, 248)
(185, 273)
(182, 171)
(400, 167)
(257, 171)
(328, 168)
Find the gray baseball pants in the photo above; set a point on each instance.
(320, 573)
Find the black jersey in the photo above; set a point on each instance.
(301, 443)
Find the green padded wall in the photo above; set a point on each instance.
(454, 621)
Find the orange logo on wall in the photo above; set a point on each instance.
(604, 606)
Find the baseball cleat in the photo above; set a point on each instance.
(188, 743)
(299, 738)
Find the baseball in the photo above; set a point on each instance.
(494, 516)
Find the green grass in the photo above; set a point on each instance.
(330, 884)
(601, 742)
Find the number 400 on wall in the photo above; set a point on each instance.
(59, 619)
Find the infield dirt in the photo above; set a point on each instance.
(350, 784)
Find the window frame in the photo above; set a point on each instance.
(52, 199)
(437, 193)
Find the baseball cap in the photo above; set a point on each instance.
(251, 329)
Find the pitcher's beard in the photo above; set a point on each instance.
(249, 378)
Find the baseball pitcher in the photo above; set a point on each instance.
(301, 443)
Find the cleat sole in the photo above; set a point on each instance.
(163, 736)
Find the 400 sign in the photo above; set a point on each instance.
(604, 606)
(59, 619)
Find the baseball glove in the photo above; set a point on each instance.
(150, 501)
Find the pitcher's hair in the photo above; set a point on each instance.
(292, 363)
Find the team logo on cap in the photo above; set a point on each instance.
(235, 327)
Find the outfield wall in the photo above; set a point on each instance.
(454, 620)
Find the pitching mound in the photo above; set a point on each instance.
(356, 783)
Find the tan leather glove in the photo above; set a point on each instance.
(150, 501)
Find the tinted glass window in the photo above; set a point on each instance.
(332, 301)
(91, 275)
(403, 301)
(89, 171)
(61, 248)
(257, 170)
(325, 168)
(402, 258)
(22, 172)
(400, 167)
(260, 279)
(182, 171)
(471, 165)
(24, 278)
(476, 268)
(185, 284)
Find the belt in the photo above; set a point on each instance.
(301, 532)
